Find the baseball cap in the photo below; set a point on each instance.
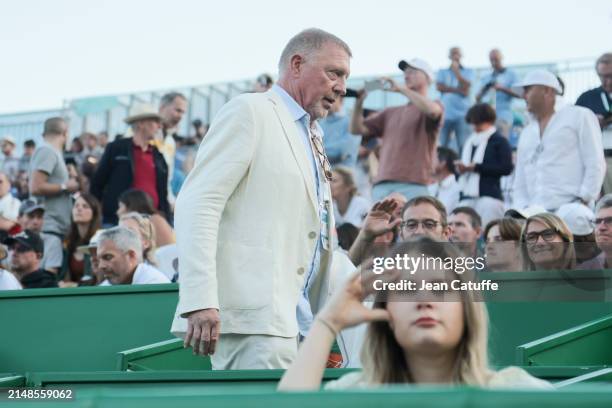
(525, 212)
(418, 64)
(27, 238)
(578, 218)
(30, 205)
(538, 77)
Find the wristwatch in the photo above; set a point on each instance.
(63, 187)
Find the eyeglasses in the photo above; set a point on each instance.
(547, 235)
(597, 221)
(318, 145)
(412, 225)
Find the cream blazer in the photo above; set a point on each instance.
(247, 222)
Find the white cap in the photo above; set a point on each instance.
(538, 77)
(525, 212)
(93, 242)
(8, 138)
(578, 218)
(418, 64)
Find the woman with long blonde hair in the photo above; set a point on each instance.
(142, 225)
(419, 337)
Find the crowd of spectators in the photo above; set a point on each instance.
(96, 210)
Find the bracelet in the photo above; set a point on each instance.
(328, 325)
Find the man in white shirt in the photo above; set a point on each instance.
(120, 259)
(560, 155)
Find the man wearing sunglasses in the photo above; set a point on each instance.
(27, 250)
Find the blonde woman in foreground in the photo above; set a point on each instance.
(421, 340)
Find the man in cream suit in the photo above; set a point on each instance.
(254, 217)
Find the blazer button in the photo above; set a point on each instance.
(300, 271)
(312, 235)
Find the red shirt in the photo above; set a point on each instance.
(145, 176)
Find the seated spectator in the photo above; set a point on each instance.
(579, 219)
(8, 281)
(86, 220)
(120, 259)
(547, 244)
(31, 215)
(348, 206)
(27, 251)
(138, 201)
(421, 216)
(410, 342)
(22, 186)
(560, 156)
(9, 205)
(141, 224)
(486, 157)
(502, 251)
(446, 189)
(603, 231)
(94, 275)
(263, 83)
(465, 227)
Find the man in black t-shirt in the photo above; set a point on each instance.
(27, 250)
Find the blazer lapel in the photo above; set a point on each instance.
(297, 147)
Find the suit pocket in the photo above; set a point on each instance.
(245, 276)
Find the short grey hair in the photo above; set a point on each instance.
(308, 42)
(168, 98)
(125, 239)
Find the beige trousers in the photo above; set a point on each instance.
(253, 352)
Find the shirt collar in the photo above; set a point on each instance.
(296, 111)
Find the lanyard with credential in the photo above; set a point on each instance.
(604, 101)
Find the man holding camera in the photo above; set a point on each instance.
(497, 91)
(409, 133)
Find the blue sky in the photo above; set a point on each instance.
(54, 50)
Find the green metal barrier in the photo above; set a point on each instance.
(590, 395)
(81, 329)
(515, 322)
(587, 344)
(162, 356)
